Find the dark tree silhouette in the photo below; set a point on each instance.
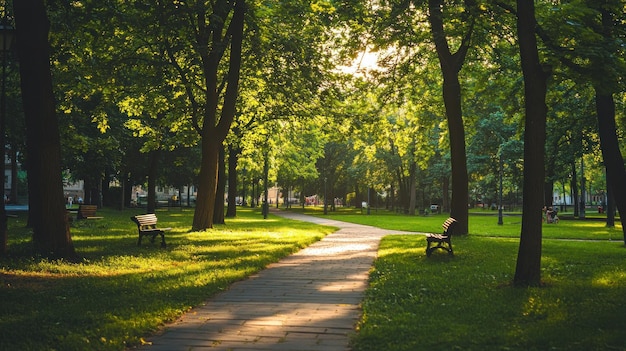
(48, 217)
(528, 268)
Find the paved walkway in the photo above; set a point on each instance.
(307, 301)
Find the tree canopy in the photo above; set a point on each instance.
(409, 102)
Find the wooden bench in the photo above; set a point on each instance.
(87, 212)
(147, 225)
(442, 240)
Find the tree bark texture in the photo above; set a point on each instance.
(450, 67)
(412, 187)
(445, 191)
(609, 207)
(3, 123)
(266, 170)
(213, 132)
(14, 180)
(153, 170)
(548, 193)
(218, 212)
(528, 267)
(233, 156)
(609, 142)
(613, 160)
(574, 185)
(51, 234)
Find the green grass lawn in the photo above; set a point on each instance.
(466, 302)
(120, 291)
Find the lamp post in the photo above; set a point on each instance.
(6, 37)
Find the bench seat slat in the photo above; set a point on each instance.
(442, 240)
(87, 212)
(147, 225)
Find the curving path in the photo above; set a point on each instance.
(307, 301)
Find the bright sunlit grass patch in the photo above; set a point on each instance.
(120, 292)
(611, 279)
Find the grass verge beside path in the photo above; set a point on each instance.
(465, 302)
(121, 291)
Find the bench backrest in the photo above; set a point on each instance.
(85, 211)
(447, 225)
(145, 221)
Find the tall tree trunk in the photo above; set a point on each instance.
(233, 156)
(3, 214)
(218, 212)
(613, 160)
(450, 67)
(266, 171)
(392, 198)
(528, 268)
(460, 192)
(103, 185)
(302, 197)
(123, 190)
(129, 190)
(583, 190)
(609, 207)
(609, 142)
(564, 197)
(412, 188)
(14, 180)
(51, 233)
(445, 193)
(86, 190)
(207, 187)
(331, 191)
(152, 176)
(550, 159)
(214, 133)
(403, 191)
(548, 193)
(574, 186)
(252, 191)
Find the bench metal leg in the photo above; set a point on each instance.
(440, 245)
(152, 238)
(163, 239)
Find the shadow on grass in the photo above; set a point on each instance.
(119, 290)
(467, 302)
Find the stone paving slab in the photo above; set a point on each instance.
(308, 301)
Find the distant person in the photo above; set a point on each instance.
(551, 216)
